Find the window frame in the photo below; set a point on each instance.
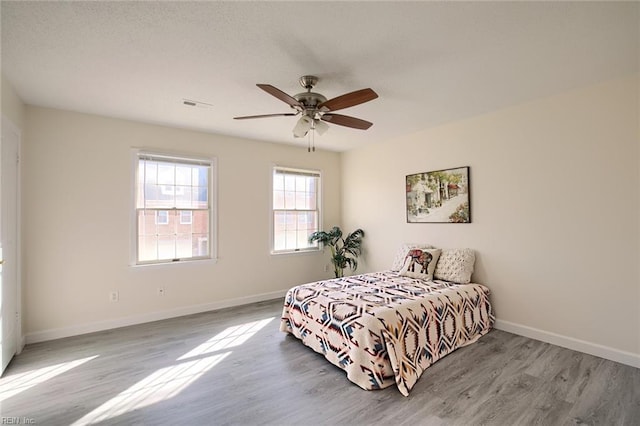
(187, 158)
(307, 171)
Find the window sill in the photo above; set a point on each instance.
(296, 252)
(172, 264)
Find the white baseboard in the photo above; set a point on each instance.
(601, 351)
(58, 333)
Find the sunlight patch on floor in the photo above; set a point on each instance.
(16, 383)
(167, 382)
(159, 386)
(229, 338)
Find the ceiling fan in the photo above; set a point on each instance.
(316, 110)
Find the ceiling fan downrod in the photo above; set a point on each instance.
(310, 100)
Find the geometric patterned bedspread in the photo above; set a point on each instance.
(383, 328)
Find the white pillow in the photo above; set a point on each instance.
(420, 263)
(398, 260)
(455, 265)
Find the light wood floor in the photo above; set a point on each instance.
(200, 370)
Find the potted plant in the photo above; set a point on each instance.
(344, 251)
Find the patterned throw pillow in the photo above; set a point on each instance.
(455, 265)
(420, 263)
(398, 260)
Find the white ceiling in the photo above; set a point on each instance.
(430, 62)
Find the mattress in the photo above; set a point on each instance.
(383, 328)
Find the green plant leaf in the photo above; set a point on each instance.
(344, 251)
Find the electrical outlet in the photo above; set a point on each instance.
(326, 268)
(114, 296)
(160, 291)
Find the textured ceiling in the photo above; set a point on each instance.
(430, 62)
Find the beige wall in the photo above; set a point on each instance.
(77, 218)
(13, 110)
(12, 106)
(555, 209)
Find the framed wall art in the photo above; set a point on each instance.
(441, 196)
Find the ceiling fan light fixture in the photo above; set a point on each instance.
(321, 127)
(302, 126)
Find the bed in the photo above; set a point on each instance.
(386, 328)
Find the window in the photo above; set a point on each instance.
(174, 213)
(162, 217)
(186, 217)
(296, 209)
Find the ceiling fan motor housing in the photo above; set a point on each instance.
(310, 100)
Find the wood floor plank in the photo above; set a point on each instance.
(185, 371)
(611, 397)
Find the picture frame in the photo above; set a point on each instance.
(439, 196)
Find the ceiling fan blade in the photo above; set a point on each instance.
(274, 91)
(348, 100)
(345, 120)
(287, 114)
